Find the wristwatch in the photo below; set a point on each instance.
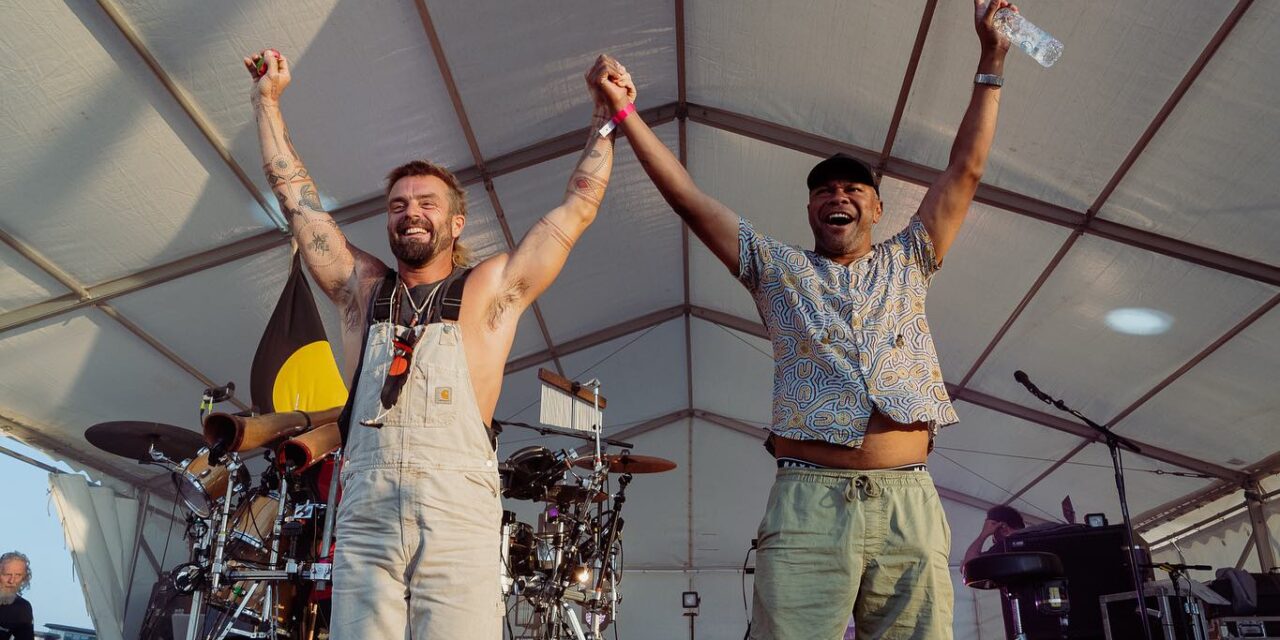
(989, 79)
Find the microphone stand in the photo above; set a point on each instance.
(1114, 443)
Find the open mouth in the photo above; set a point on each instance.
(839, 219)
(415, 233)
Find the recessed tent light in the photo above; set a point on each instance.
(1138, 321)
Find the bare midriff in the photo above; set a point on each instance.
(887, 444)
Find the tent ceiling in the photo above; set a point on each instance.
(140, 256)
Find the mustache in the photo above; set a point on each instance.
(410, 224)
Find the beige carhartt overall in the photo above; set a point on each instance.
(419, 523)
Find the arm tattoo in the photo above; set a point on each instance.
(319, 242)
(351, 314)
(309, 198)
(587, 187)
(319, 252)
(557, 234)
(598, 159)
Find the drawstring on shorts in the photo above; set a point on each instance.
(862, 487)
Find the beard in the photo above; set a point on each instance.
(8, 596)
(417, 253)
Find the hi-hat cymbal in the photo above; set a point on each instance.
(132, 439)
(627, 463)
(566, 493)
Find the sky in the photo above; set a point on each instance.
(34, 529)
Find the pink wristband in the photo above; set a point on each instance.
(617, 119)
(624, 112)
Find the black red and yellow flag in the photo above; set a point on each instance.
(294, 368)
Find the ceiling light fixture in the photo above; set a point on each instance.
(1139, 321)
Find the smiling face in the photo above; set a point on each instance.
(421, 221)
(841, 213)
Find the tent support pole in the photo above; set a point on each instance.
(1254, 500)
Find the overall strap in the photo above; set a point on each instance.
(450, 307)
(379, 303)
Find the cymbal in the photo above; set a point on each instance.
(132, 439)
(565, 493)
(627, 463)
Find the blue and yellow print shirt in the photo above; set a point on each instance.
(847, 341)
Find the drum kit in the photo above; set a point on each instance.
(574, 554)
(260, 552)
(260, 562)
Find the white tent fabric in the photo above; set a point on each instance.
(100, 527)
(140, 254)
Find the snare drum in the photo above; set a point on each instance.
(253, 523)
(201, 485)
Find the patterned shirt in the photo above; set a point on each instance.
(847, 341)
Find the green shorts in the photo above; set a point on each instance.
(835, 542)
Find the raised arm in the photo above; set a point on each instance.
(714, 223)
(945, 205)
(330, 258)
(975, 548)
(537, 260)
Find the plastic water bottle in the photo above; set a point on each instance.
(1037, 42)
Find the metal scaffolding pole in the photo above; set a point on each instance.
(1255, 501)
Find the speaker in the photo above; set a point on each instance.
(165, 601)
(1096, 563)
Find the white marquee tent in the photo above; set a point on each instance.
(141, 253)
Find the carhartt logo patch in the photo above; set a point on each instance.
(444, 395)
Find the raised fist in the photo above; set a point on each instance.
(610, 84)
(270, 71)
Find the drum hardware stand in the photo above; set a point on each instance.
(157, 457)
(595, 429)
(268, 601)
(220, 543)
(615, 528)
(329, 515)
(573, 620)
(240, 611)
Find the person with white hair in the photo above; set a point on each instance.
(16, 622)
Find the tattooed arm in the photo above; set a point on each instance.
(537, 260)
(336, 266)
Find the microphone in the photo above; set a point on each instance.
(1021, 377)
(220, 394)
(217, 451)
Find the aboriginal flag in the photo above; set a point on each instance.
(294, 367)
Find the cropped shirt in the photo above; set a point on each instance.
(847, 341)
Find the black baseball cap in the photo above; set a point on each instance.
(842, 165)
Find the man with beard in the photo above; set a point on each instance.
(16, 622)
(418, 526)
(853, 522)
